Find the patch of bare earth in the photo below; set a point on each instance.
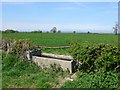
(62, 80)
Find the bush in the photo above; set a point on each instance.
(102, 57)
(10, 31)
(92, 80)
(16, 47)
(98, 66)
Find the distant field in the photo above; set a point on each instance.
(63, 39)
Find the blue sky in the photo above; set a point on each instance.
(66, 16)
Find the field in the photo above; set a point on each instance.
(63, 39)
(23, 74)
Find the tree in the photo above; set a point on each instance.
(39, 31)
(47, 32)
(115, 28)
(59, 31)
(10, 31)
(88, 32)
(74, 31)
(53, 30)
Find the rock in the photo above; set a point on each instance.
(68, 78)
(73, 76)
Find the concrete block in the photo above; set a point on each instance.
(46, 62)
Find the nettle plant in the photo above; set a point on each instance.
(97, 58)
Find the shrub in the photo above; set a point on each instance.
(102, 57)
(16, 47)
(10, 31)
(92, 80)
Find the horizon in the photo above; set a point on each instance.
(68, 31)
(96, 17)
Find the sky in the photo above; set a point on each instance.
(97, 17)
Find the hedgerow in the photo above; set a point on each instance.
(98, 66)
(92, 80)
(16, 47)
(97, 58)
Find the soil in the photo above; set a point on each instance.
(65, 79)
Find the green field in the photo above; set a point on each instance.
(63, 39)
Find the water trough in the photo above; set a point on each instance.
(45, 60)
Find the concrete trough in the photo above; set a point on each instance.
(45, 60)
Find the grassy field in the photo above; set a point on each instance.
(63, 39)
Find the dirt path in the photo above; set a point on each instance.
(67, 78)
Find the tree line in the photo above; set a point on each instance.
(10, 31)
(54, 30)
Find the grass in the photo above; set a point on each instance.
(17, 73)
(25, 74)
(0, 70)
(57, 51)
(63, 39)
